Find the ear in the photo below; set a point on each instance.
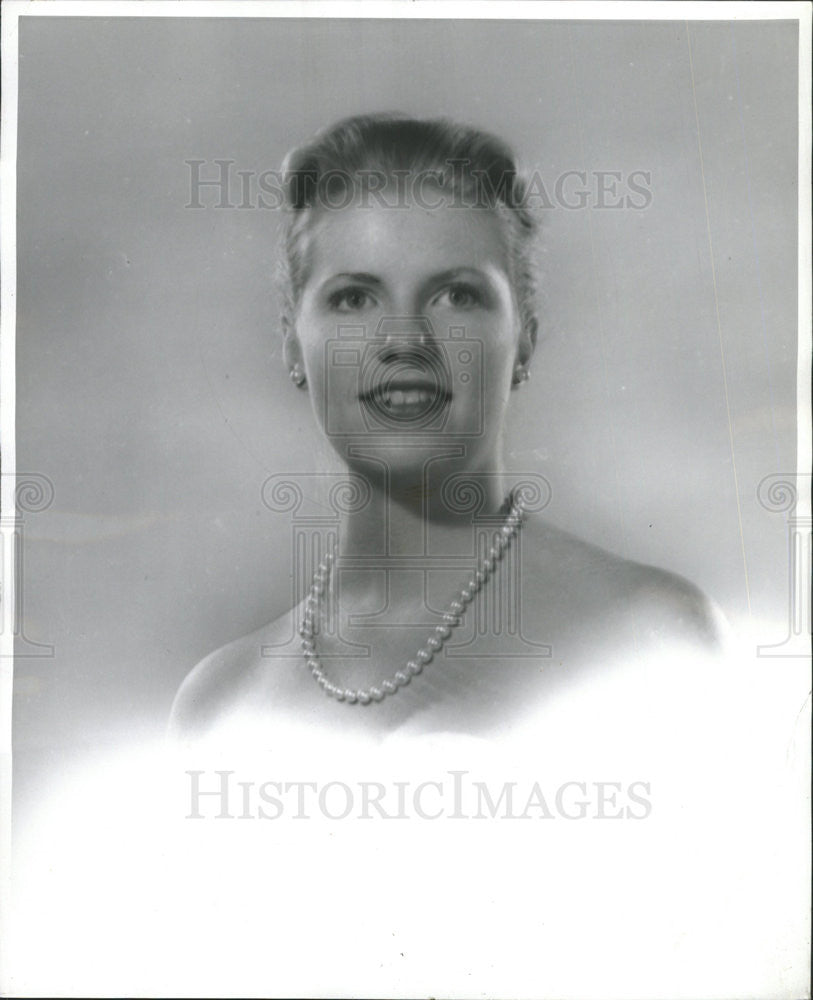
(291, 348)
(527, 341)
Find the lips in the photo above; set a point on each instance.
(396, 397)
(404, 386)
(405, 402)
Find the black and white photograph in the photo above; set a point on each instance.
(406, 525)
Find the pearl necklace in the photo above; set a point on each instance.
(433, 645)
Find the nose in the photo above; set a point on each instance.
(398, 335)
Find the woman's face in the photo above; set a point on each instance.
(408, 329)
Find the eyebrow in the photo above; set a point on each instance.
(364, 277)
(457, 272)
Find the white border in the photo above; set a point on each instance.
(504, 10)
(568, 10)
(8, 509)
(804, 437)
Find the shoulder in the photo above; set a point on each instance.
(654, 603)
(215, 687)
(207, 690)
(670, 607)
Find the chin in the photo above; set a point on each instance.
(401, 458)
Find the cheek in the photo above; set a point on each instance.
(500, 345)
(312, 339)
(314, 354)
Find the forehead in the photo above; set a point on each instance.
(406, 239)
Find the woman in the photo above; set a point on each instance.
(409, 318)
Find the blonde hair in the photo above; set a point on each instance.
(471, 167)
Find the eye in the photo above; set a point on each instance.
(460, 295)
(350, 299)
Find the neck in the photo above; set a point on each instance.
(411, 517)
(396, 562)
(414, 529)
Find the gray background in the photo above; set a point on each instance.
(150, 387)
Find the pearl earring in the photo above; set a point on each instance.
(297, 374)
(521, 374)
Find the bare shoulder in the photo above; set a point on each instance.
(219, 683)
(659, 605)
(673, 608)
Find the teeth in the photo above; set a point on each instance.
(406, 397)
